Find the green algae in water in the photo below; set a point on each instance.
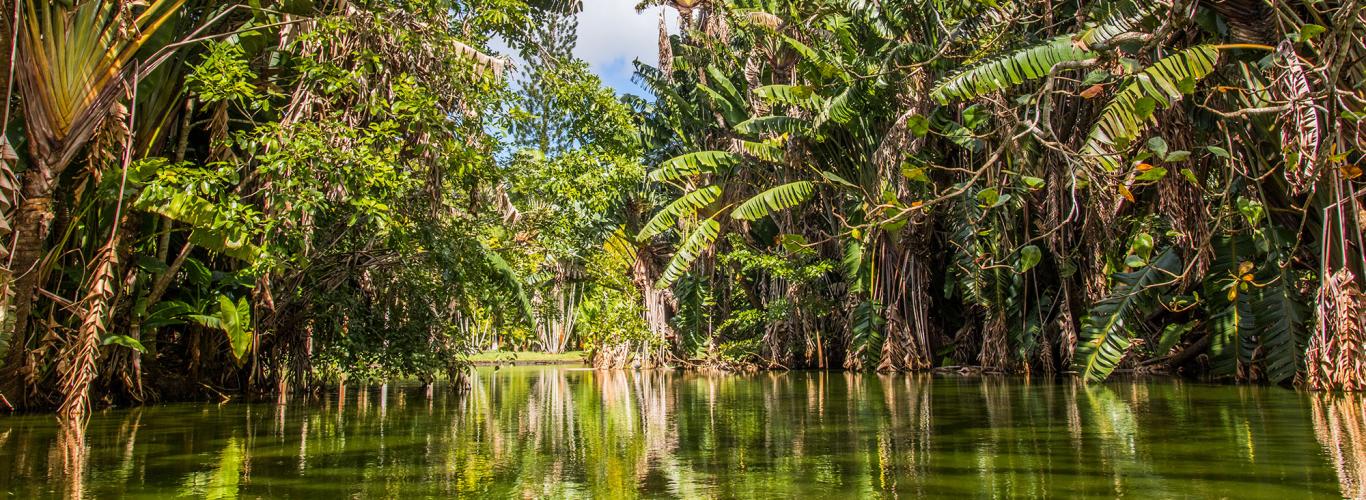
(537, 432)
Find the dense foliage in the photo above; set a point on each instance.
(258, 197)
(1030, 186)
(202, 198)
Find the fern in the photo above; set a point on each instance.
(1132, 107)
(684, 206)
(1109, 327)
(688, 165)
(779, 198)
(698, 242)
(1009, 70)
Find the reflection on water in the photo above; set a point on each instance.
(565, 432)
(1340, 426)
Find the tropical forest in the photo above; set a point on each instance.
(683, 248)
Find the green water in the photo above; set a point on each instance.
(538, 432)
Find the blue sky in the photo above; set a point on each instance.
(611, 35)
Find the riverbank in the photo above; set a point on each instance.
(493, 358)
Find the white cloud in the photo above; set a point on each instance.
(612, 34)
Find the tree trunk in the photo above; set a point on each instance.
(34, 218)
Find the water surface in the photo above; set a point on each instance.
(537, 432)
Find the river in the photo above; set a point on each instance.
(556, 431)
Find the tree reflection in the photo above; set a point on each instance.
(565, 432)
(1340, 426)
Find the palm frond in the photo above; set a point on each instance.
(866, 334)
(1282, 317)
(684, 206)
(71, 67)
(690, 164)
(1110, 326)
(510, 278)
(772, 125)
(763, 151)
(698, 242)
(1132, 108)
(778, 198)
(801, 96)
(1124, 18)
(1009, 70)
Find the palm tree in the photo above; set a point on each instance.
(72, 66)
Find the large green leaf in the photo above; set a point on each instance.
(1124, 18)
(690, 164)
(763, 151)
(1038, 61)
(232, 318)
(1009, 70)
(211, 227)
(510, 278)
(698, 242)
(1110, 325)
(867, 333)
(779, 198)
(773, 125)
(1132, 108)
(685, 206)
(1233, 328)
(1230, 303)
(800, 96)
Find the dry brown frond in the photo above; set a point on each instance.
(81, 354)
(1300, 123)
(666, 50)
(1335, 359)
(765, 19)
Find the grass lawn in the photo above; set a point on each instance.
(530, 357)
